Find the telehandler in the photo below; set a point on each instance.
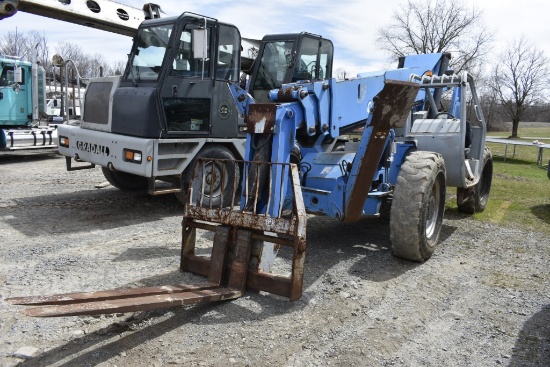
(422, 129)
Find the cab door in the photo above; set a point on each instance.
(187, 88)
(15, 99)
(195, 94)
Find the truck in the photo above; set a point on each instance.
(26, 114)
(22, 105)
(30, 108)
(422, 127)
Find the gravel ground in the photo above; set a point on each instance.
(481, 300)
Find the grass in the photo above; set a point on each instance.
(520, 191)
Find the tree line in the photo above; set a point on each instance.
(513, 89)
(88, 65)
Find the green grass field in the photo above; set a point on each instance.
(520, 192)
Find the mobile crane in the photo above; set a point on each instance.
(423, 130)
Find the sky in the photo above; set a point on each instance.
(351, 25)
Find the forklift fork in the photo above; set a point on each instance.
(234, 264)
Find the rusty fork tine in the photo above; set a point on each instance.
(201, 189)
(257, 184)
(235, 184)
(247, 176)
(270, 189)
(281, 191)
(222, 179)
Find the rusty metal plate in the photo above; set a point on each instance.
(261, 118)
(391, 109)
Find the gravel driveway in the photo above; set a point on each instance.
(481, 300)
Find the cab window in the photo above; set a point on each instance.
(188, 60)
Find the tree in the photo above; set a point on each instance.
(88, 66)
(341, 73)
(437, 26)
(116, 68)
(519, 80)
(23, 44)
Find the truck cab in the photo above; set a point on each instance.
(22, 101)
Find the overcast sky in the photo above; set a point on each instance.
(350, 24)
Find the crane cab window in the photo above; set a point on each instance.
(229, 45)
(188, 60)
(148, 53)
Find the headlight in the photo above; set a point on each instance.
(64, 141)
(133, 156)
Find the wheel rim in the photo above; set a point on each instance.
(213, 179)
(433, 210)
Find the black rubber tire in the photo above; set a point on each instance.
(125, 181)
(418, 206)
(232, 176)
(474, 199)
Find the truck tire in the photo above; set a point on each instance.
(125, 181)
(418, 206)
(214, 187)
(474, 199)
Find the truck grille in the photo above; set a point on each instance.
(96, 102)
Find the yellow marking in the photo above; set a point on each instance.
(501, 212)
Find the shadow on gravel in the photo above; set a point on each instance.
(28, 156)
(108, 342)
(87, 211)
(137, 254)
(542, 212)
(366, 241)
(532, 347)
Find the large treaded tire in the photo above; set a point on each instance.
(125, 181)
(213, 193)
(418, 206)
(474, 199)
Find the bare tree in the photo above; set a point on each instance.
(23, 44)
(116, 68)
(341, 73)
(88, 66)
(437, 26)
(72, 51)
(519, 80)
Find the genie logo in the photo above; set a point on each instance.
(92, 148)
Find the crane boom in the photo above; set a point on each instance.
(106, 15)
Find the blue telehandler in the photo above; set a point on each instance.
(422, 130)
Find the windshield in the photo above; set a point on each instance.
(275, 61)
(314, 61)
(146, 59)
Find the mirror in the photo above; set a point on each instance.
(17, 75)
(199, 44)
